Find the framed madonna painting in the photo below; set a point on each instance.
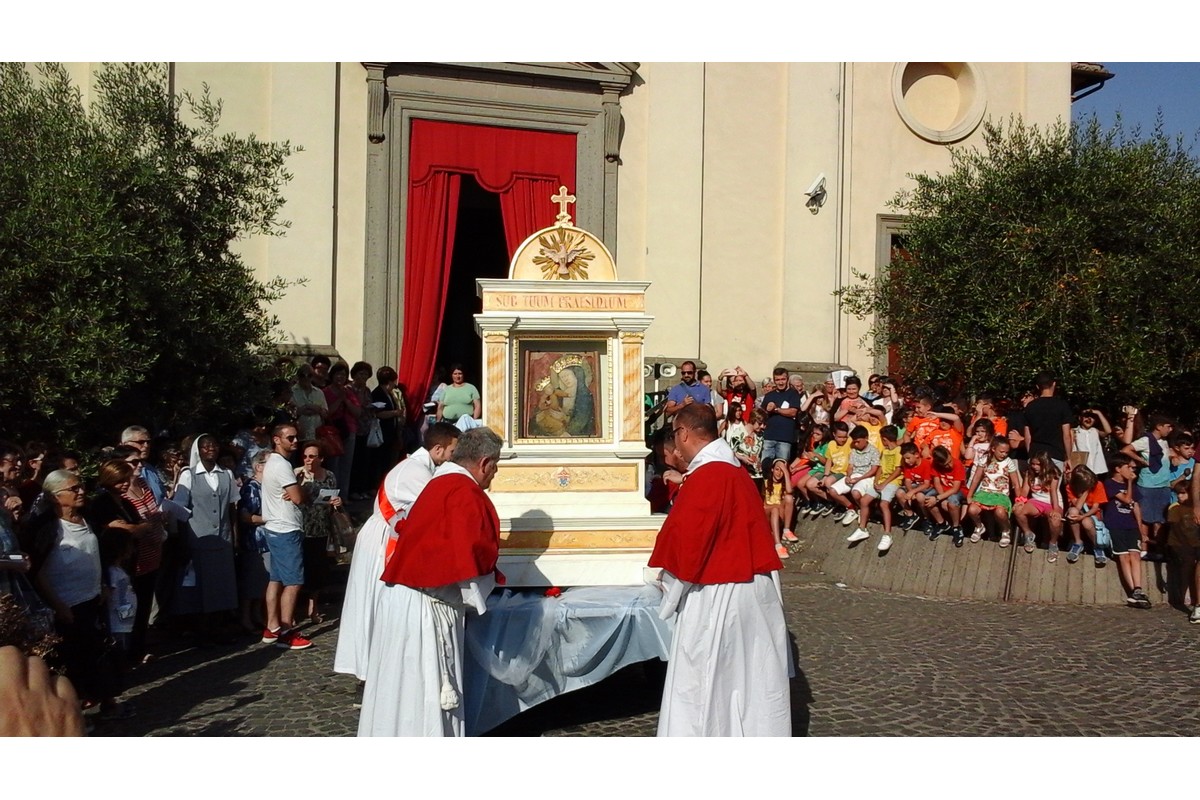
(562, 388)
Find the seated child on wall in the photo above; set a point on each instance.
(1085, 500)
(857, 491)
(992, 484)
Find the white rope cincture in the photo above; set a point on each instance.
(448, 697)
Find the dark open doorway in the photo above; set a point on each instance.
(480, 251)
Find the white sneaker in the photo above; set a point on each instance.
(858, 535)
(850, 517)
(885, 543)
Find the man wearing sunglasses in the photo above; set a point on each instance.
(729, 665)
(281, 501)
(689, 390)
(139, 437)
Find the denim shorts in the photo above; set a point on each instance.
(1153, 502)
(955, 499)
(773, 450)
(287, 557)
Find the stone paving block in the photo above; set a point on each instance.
(874, 567)
(956, 571)
(997, 578)
(903, 558)
(920, 578)
(941, 548)
(1045, 572)
(988, 558)
(954, 562)
(1074, 592)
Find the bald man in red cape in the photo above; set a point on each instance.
(444, 563)
(730, 664)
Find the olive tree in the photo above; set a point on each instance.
(123, 298)
(1069, 249)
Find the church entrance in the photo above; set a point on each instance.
(479, 252)
(475, 192)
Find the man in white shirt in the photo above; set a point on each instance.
(281, 501)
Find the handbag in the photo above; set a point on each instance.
(331, 438)
(38, 616)
(343, 535)
(375, 434)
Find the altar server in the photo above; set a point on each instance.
(395, 496)
(729, 667)
(443, 564)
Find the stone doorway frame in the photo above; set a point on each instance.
(577, 98)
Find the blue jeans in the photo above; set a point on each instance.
(773, 450)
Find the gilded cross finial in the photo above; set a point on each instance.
(563, 199)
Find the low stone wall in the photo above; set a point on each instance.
(983, 571)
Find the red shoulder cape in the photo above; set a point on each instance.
(716, 531)
(451, 534)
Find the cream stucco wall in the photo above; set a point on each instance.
(321, 108)
(715, 160)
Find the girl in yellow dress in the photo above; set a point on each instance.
(775, 485)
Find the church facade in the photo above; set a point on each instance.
(745, 193)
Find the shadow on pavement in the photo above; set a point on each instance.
(203, 675)
(801, 693)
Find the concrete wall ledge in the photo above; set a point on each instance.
(982, 571)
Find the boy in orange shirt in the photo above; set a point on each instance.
(948, 479)
(1085, 505)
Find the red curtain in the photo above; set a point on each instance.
(428, 247)
(524, 167)
(526, 208)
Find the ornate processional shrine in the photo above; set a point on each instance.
(562, 348)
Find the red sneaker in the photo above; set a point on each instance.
(270, 636)
(292, 640)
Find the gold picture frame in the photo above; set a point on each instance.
(563, 389)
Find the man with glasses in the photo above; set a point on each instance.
(282, 520)
(139, 437)
(729, 665)
(689, 390)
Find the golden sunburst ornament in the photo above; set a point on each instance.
(562, 256)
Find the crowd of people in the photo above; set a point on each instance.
(216, 536)
(1022, 471)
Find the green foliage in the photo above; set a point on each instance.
(1074, 250)
(124, 301)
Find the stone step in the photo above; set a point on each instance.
(982, 571)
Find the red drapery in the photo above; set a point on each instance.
(432, 218)
(524, 167)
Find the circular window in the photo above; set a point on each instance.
(939, 101)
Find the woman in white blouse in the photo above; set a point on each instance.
(67, 575)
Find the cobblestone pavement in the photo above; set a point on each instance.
(869, 664)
